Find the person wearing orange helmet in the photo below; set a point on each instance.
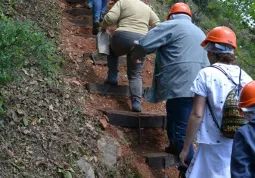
(179, 57)
(211, 87)
(243, 150)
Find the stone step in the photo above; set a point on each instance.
(104, 89)
(79, 11)
(135, 120)
(161, 160)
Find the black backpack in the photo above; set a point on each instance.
(232, 116)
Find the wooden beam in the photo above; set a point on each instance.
(79, 11)
(135, 120)
(161, 160)
(105, 89)
(112, 90)
(75, 1)
(83, 23)
(86, 36)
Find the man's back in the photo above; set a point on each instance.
(179, 56)
(132, 15)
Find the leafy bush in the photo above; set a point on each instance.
(21, 45)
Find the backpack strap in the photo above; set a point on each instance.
(213, 116)
(239, 88)
(239, 85)
(220, 69)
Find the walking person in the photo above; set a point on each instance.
(243, 150)
(211, 87)
(99, 9)
(179, 57)
(132, 25)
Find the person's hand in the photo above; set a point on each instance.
(183, 156)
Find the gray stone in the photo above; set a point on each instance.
(86, 168)
(109, 150)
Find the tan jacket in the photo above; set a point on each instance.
(132, 16)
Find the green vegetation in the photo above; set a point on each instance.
(238, 15)
(23, 46)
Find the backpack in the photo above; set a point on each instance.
(232, 116)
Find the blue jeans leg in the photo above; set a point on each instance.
(97, 5)
(178, 112)
(99, 9)
(103, 9)
(112, 63)
(134, 71)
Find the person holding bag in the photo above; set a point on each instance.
(133, 18)
(211, 88)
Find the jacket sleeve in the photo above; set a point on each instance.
(156, 38)
(113, 15)
(240, 159)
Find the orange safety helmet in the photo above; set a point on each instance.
(247, 96)
(178, 8)
(221, 35)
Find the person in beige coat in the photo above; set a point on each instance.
(133, 18)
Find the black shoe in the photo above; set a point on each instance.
(181, 175)
(96, 28)
(171, 150)
(114, 83)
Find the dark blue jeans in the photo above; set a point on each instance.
(178, 111)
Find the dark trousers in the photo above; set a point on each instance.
(121, 44)
(178, 112)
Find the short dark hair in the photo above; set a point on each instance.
(226, 58)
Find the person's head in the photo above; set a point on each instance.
(179, 8)
(247, 100)
(220, 44)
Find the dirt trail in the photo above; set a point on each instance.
(77, 47)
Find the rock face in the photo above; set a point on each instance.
(86, 168)
(109, 150)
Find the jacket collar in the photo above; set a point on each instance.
(179, 16)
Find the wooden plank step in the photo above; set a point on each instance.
(161, 160)
(100, 59)
(104, 89)
(135, 119)
(86, 35)
(75, 1)
(88, 22)
(79, 11)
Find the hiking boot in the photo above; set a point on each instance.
(136, 106)
(171, 150)
(96, 28)
(181, 175)
(109, 82)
